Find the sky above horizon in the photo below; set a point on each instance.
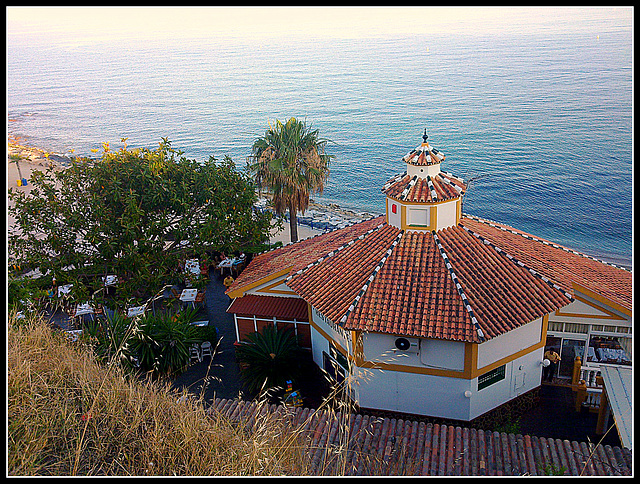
(157, 23)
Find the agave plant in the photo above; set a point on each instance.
(162, 342)
(175, 338)
(111, 338)
(268, 359)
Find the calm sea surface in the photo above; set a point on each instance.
(543, 119)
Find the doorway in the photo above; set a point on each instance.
(571, 348)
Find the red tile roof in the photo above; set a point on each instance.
(364, 445)
(557, 263)
(295, 256)
(333, 284)
(423, 155)
(469, 282)
(414, 295)
(441, 187)
(270, 306)
(451, 286)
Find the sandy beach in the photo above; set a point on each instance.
(284, 236)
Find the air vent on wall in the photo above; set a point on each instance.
(403, 344)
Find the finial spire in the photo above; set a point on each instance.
(424, 136)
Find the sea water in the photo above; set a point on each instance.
(540, 121)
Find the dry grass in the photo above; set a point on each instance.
(67, 415)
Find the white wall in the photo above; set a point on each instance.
(447, 214)
(521, 375)
(395, 219)
(432, 395)
(413, 393)
(320, 343)
(424, 353)
(509, 343)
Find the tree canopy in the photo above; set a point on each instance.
(290, 160)
(134, 213)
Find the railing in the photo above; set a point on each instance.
(587, 373)
(587, 385)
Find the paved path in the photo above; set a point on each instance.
(219, 376)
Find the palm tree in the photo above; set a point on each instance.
(290, 161)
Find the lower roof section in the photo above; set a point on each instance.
(382, 446)
(288, 308)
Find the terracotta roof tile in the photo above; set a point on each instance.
(364, 445)
(465, 283)
(333, 284)
(413, 294)
(430, 189)
(558, 263)
(423, 155)
(295, 256)
(502, 294)
(270, 306)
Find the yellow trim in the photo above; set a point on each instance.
(601, 299)
(609, 315)
(403, 217)
(458, 210)
(326, 336)
(434, 219)
(515, 356)
(470, 360)
(412, 369)
(240, 291)
(469, 372)
(268, 289)
(386, 213)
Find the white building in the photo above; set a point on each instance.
(423, 310)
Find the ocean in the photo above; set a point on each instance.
(540, 119)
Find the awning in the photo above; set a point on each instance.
(617, 383)
(288, 308)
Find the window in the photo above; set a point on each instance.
(394, 208)
(419, 217)
(555, 326)
(333, 368)
(576, 328)
(491, 377)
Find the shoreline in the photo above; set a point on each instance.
(318, 218)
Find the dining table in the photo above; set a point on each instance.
(226, 264)
(192, 266)
(188, 295)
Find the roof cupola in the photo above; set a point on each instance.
(424, 197)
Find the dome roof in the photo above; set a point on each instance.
(423, 155)
(407, 188)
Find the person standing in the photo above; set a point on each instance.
(554, 360)
(228, 281)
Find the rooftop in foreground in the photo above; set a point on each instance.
(363, 445)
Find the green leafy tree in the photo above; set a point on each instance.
(290, 161)
(134, 213)
(268, 359)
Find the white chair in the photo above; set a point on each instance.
(195, 352)
(207, 350)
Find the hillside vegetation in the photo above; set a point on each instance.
(68, 415)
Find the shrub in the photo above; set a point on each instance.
(268, 359)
